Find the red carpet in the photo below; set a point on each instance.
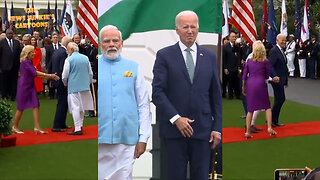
(235, 134)
(31, 138)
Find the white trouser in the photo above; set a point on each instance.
(290, 64)
(75, 108)
(302, 67)
(115, 161)
(255, 116)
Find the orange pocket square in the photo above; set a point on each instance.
(128, 74)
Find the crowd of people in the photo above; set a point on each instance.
(287, 58)
(32, 66)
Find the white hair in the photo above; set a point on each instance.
(185, 13)
(73, 46)
(109, 27)
(279, 35)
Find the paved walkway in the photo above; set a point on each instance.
(304, 91)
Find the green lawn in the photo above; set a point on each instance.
(257, 160)
(68, 160)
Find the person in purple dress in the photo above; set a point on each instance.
(26, 91)
(255, 74)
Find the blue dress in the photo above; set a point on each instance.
(255, 75)
(26, 90)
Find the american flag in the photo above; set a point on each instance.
(243, 19)
(306, 23)
(87, 20)
(264, 22)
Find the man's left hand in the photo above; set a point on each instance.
(215, 137)
(139, 150)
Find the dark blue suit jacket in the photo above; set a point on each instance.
(173, 93)
(57, 62)
(278, 66)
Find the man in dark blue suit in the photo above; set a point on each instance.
(57, 61)
(187, 94)
(278, 71)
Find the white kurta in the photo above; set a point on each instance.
(77, 102)
(115, 161)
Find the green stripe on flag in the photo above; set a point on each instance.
(147, 15)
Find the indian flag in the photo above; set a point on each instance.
(149, 15)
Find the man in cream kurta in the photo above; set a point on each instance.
(124, 118)
(77, 76)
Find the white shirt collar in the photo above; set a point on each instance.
(184, 47)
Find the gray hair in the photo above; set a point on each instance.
(27, 35)
(279, 35)
(109, 27)
(66, 40)
(73, 46)
(184, 13)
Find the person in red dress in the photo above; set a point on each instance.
(36, 63)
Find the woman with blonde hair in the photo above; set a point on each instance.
(26, 91)
(255, 74)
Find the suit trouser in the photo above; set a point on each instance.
(180, 151)
(9, 84)
(234, 84)
(311, 67)
(225, 80)
(279, 98)
(62, 107)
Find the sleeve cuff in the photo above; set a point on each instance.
(143, 139)
(174, 118)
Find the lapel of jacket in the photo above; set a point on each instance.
(199, 63)
(181, 63)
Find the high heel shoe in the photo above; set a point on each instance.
(16, 130)
(271, 132)
(39, 131)
(247, 135)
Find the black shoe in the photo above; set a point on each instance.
(57, 130)
(67, 127)
(280, 125)
(277, 125)
(77, 133)
(253, 129)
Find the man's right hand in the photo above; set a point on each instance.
(226, 72)
(276, 79)
(183, 124)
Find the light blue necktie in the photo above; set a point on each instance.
(190, 64)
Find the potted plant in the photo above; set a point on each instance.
(5, 118)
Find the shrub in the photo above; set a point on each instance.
(5, 118)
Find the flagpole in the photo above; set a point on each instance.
(94, 99)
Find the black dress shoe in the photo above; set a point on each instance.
(277, 125)
(57, 130)
(253, 129)
(77, 133)
(67, 127)
(280, 125)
